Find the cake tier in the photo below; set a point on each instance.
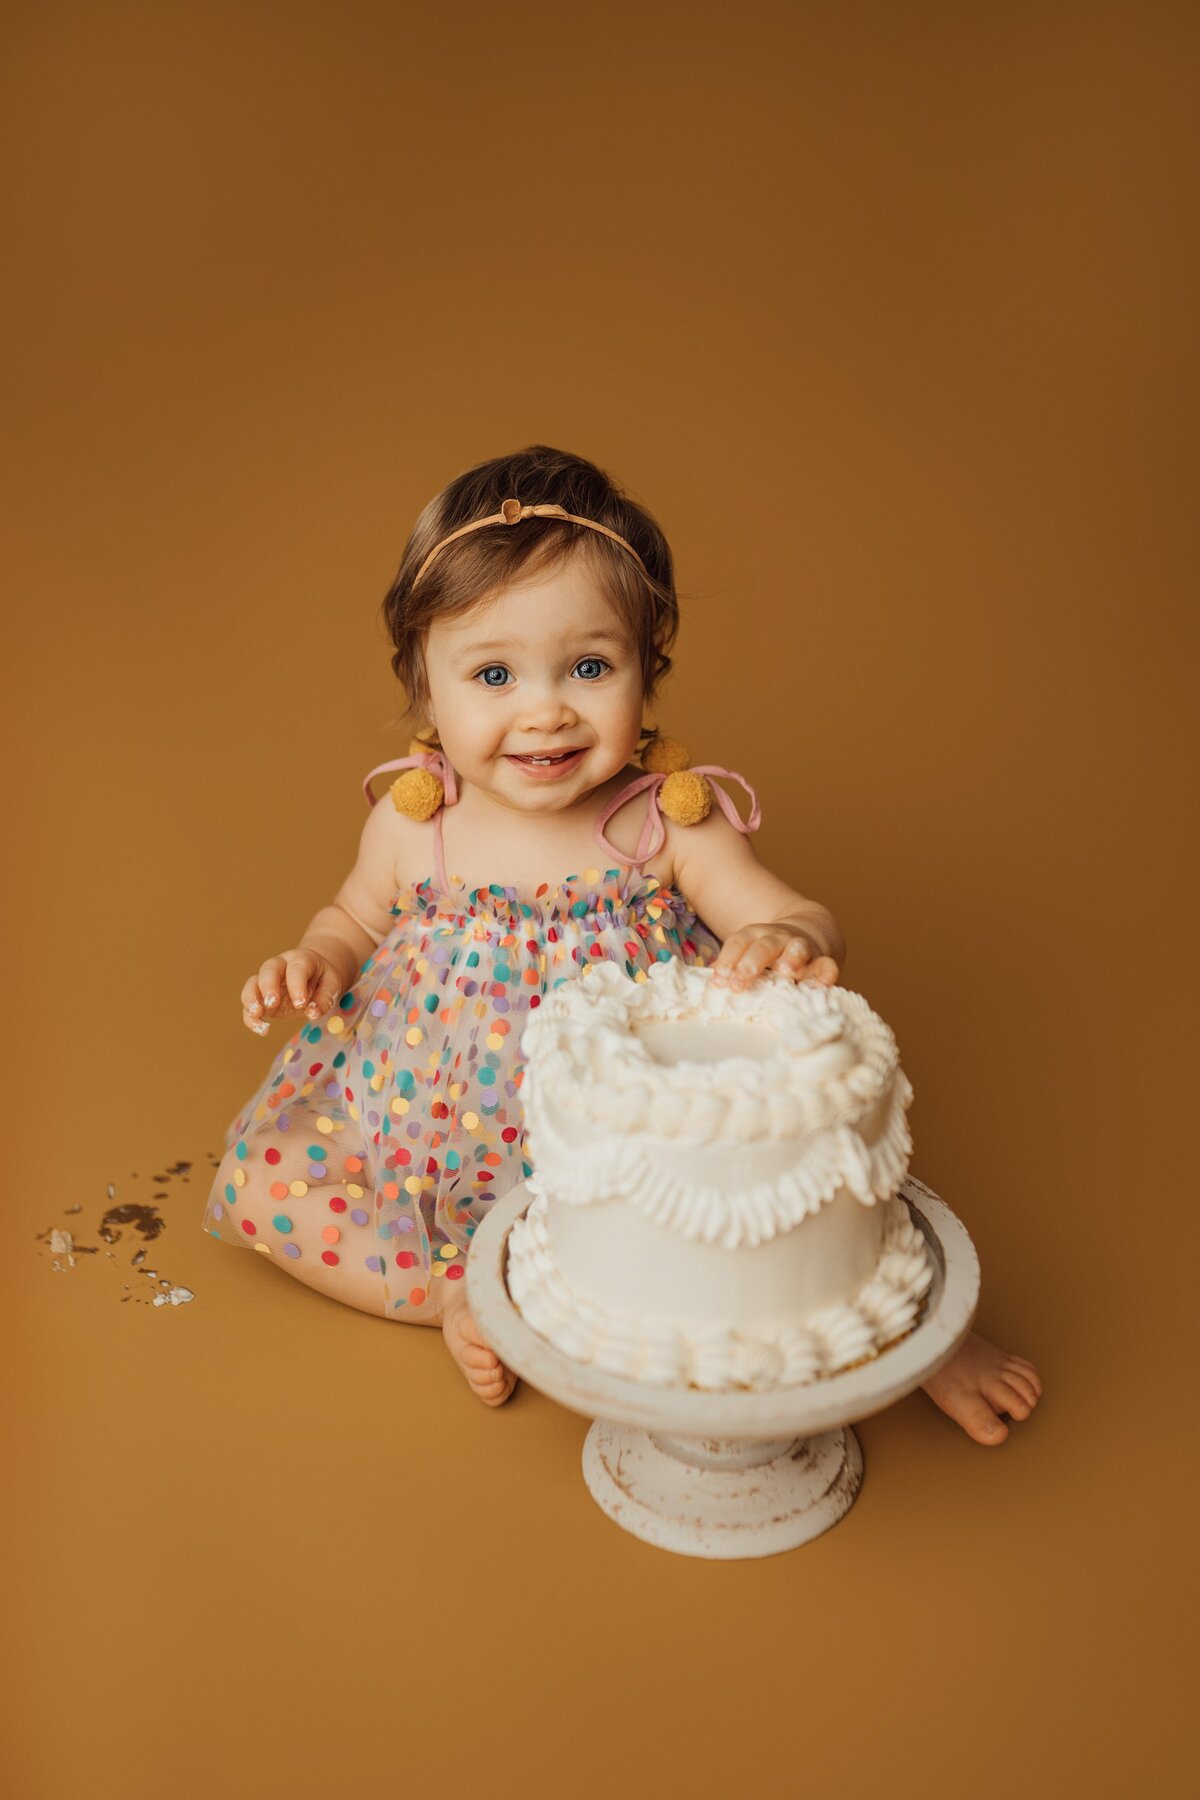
(726, 1116)
(683, 1058)
(614, 1255)
(654, 1344)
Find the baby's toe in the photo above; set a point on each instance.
(494, 1392)
(1024, 1388)
(979, 1420)
(1008, 1399)
(1017, 1365)
(477, 1356)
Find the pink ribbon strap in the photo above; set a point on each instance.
(654, 831)
(433, 760)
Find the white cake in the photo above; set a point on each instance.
(715, 1180)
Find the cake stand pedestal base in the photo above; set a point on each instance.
(729, 1474)
(717, 1497)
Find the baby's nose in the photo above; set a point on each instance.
(549, 713)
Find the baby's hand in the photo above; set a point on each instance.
(748, 953)
(298, 982)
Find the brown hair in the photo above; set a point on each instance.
(481, 564)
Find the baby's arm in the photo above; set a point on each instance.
(761, 920)
(339, 937)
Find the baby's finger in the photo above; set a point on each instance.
(751, 963)
(797, 952)
(730, 950)
(303, 968)
(738, 962)
(255, 1021)
(824, 971)
(251, 995)
(270, 981)
(328, 992)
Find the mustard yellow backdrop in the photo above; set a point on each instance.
(887, 311)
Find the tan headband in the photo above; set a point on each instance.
(510, 512)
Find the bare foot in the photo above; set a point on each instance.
(483, 1369)
(981, 1382)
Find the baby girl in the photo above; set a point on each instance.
(532, 616)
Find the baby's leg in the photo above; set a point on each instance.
(312, 1216)
(302, 1205)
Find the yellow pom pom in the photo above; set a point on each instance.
(664, 756)
(685, 797)
(417, 793)
(417, 748)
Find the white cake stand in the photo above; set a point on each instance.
(732, 1474)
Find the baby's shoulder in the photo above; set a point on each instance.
(411, 842)
(687, 813)
(706, 836)
(398, 847)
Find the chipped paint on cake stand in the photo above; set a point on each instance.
(739, 1473)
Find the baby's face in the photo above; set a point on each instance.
(546, 667)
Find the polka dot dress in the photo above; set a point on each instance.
(382, 1133)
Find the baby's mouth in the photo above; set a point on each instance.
(545, 762)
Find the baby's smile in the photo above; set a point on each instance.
(548, 767)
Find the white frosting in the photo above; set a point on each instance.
(714, 1179)
(820, 1057)
(718, 1356)
(612, 1252)
(709, 1147)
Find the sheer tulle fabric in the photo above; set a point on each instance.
(383, 1133)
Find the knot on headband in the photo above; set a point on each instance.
(511, 512)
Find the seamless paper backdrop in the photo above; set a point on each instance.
(887, 313)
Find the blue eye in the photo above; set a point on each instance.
(487, 671)
(597, 662)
